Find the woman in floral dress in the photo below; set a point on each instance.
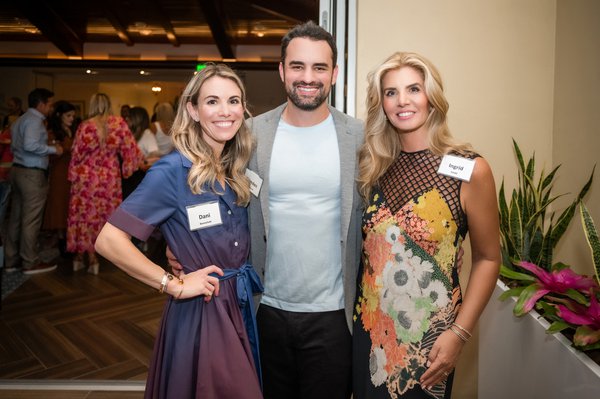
(420, 187)
(104, 150)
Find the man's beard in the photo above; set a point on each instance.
(307, 104)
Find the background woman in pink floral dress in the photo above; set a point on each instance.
(95, 174)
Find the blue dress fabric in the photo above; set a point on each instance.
(202, 348)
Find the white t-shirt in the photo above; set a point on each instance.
(304, 256)
(164, 141)
(147, 143)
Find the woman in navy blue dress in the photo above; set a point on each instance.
(197, 195)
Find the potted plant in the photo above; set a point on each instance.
(564, 297)
(548, 297)
(526, 232)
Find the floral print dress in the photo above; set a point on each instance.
(95, 176)
(408, 288)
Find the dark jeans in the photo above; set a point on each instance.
(305, 355)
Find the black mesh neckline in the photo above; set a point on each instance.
(414, 173)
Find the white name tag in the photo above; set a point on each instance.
(255, 182)
(457, 167)
(204, 215)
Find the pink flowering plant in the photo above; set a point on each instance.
(570, 301)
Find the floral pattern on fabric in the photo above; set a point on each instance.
(408, 293)
(95, 176)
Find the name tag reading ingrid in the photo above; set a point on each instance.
(204, 215)
(458, 167)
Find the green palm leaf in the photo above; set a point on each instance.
(526, 232)
(503, 208)
(591, 235)
(519, 155)
(516, 229)
(549, 178)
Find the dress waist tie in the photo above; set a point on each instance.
(248, 283)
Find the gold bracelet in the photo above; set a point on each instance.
(461, 328)
(164, 282)
(458, 334)
(181, 291)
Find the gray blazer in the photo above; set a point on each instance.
(350, 137)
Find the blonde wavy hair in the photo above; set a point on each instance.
(187, 137)
(100, 105)
(165, 114)
(382, 141)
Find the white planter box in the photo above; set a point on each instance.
(517, 359)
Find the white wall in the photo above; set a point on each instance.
(577, 120)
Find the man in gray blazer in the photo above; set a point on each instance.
(305, 225)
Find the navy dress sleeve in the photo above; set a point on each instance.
(152, 203)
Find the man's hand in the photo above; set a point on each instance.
(176, 268)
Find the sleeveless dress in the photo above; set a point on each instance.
(408, 288)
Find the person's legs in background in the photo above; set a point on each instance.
(30, 187)
(11, 246)
(4, 199)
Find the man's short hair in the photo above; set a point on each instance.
(312, 31)
(39, 95)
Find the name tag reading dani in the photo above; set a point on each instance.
(457, 167)
(255, 182)
(204, 215)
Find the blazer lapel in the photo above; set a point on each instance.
(347, 148)
(265, 133)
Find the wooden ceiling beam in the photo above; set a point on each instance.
(116, 22)
(296, 14)
(53, 26)
(217, 27)
(159, 14)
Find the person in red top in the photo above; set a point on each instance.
(15, 110)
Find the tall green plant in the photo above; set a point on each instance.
(526, 232)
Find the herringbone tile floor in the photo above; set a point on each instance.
(75, 326)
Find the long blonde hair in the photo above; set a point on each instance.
(187, 137)
(382, 142)
(99, 105)
(165, 114)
